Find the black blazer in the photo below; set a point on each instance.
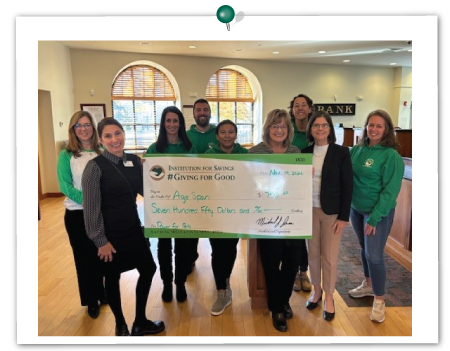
(337, 181)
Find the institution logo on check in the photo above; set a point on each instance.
(157, 172)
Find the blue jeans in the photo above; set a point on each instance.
(372, 247)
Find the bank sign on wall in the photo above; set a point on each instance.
(337, 109)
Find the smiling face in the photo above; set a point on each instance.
(172, 124)
(376, 129)
(278, 132)
(84, 131)
(301, 109)
(320, 130)
(113, 139)
(226, 136)
(202, 114)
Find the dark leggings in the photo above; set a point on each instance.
(223, 256)
(144, 264)
(183, 251)
(303, 255)
(280, 261)
(88, 265)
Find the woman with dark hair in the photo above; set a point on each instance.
(110, 183)
(172, 139)
(332, 196)
(224, 251)
(377, 177)
(301, 108)
(82, 146)
(279, 257)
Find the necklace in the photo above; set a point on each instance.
(317, 149)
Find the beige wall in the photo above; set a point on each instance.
(69, 76)
(402, 93)
(55, 91)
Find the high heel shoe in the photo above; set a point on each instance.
(312, 305)
(328, 316)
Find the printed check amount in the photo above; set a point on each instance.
(224, 196)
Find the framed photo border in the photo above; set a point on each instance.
(88, 107)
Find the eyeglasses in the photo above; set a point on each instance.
(79, 126)
(323, 125)
(276, 127)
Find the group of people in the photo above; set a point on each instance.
(101, 183)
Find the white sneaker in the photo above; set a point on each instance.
(223, 301)
(361, 291)
(378, 311)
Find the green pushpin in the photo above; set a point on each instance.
(225, 14)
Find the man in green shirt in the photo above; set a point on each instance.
(202, 134)
(203, 137)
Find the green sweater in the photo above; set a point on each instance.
(377, 179)
(69, 170)
(300, 139)
(202, 141)
(172, 149)
(238, 149)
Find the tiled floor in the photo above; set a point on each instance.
(350, 275)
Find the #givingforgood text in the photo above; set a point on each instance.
(215, 176)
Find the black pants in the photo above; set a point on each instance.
(280, 261)
(223, 256)
(303, 255)
(134, 253)
(183, 258)
(193, 254)
(87, 264)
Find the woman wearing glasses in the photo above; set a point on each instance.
(83, 145)
(279, 257)
(332, 196)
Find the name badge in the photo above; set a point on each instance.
(128, 164)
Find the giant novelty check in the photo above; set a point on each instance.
(228, 195)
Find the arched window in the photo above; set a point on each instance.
(231, 97)
(139, 94)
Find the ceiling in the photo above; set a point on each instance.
(360, 53)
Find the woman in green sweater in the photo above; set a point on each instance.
(83, 145)
(301, 109)
(172, 139)
(377, 177)
(224, 251)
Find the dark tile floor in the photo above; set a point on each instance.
(350, 275)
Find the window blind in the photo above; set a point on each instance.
(227, 85)
(142, 82)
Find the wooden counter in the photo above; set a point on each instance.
(255, 276)
(399, 244)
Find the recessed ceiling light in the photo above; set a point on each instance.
(192, 47)
(346, 61)
(322, 52)
(275, 52)
(393, 63)
(145, 43)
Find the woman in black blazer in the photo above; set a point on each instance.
(332, 196)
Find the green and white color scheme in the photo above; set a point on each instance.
(228, 195)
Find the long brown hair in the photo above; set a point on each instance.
(74, 145)
(389, 139)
